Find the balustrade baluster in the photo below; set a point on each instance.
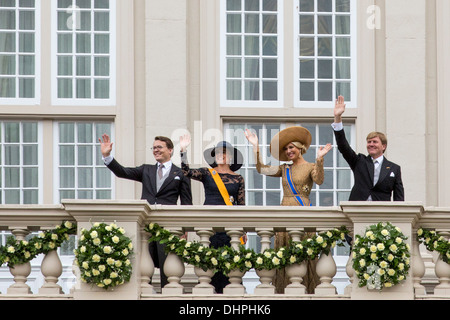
(418, 266)
(147, 265)
(204, 287)
(174, 270)
(265, 276)
(51, 268)
(326, 269)
(350, 271)
(235, 276)
(21, 271)
(296, 271)
(442, 270)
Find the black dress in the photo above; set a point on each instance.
(234, 183)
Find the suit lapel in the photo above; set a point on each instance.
(370, 167)
(153, 169)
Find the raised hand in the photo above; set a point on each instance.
(339, 109)
(251, 137)
(323, 151)
(105, 145)
(185, 141)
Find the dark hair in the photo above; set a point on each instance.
(168, 142)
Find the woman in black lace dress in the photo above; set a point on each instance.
(224, 160)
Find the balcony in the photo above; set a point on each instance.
(189, 283)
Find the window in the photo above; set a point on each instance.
(19, 60)
(251, 38)
(266, 191)
(81, 172)
(325, 52)
(20, 156)
(83, 47)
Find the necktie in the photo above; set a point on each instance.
(376, 172)
(160, 171)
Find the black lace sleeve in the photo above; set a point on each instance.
(196, 174)
(241, 192)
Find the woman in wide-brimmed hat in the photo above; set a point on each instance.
(298, 177)
(224, 160)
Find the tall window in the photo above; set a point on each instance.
(81, 172)
(84, 70)
(18, 51)
(326, 61)
(263, 190)
(250, 47)
(19, 162)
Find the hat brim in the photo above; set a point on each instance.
(210, 157)
(286, 136)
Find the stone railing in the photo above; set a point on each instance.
(203, 221)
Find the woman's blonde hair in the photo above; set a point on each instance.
(300, 146)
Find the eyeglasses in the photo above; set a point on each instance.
(157, 148)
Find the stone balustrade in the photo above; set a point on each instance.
(203, 221)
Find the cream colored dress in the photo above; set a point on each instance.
(303, 177)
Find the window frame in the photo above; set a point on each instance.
(352, 102)
(56, 159)
(111, 101)
(21, 166)
(224, 102)
(17, 100)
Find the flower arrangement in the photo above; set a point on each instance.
(20, 252)
(381, 256)
(103, 255)
(435, 242)
(228, 258)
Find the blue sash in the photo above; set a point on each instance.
(294, 191)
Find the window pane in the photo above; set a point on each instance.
(30, 196)
(234, 90)
(307, 91)
(306, 24)
(273, 199)
(233, 5)
(7, 65)
(7, 42)
(251, 23)
(30, 177)
(65, 67)
(65, 43)
(252, 68)
(325, 69)
(251, 90)
(26, 65)
(83, 88)
(7, 87)
(83, 66)
(306, 5)
(67, 178)
(251, 5)
(344, 89)
(325, 24)
(251, 45)
(270, 23)
(270, 46)
(103, 178)
(12, 177)
(85, 177)
(343, 24)
(7, 19)
(270, 69)
(101, 66)
(26, 88)
(325, 91)
(26, 42)
(342, 5)
(307, 69)
(234, 23)
(343, 47)
(270, 91)
(234, 46)
(343, 69)
(101, 21)
(85, 155)
(101, 88)
(66, 132)
(83, 43)
(325, 46)
(324, 5)
(306, 46)
(30, 155)
(66, 155)
(12, 196)
(234, 68)
(65, 89)
(26, 20)
(12, 132)
(30, 132)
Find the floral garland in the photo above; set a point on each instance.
(103, 255)
(20, 252)
(227, 258)
(435, 242)
(381, 256)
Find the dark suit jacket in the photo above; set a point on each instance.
(176, 184)
(389, 182)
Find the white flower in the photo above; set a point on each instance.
(259, 260)
(101, 268)
(373, 248)
(248, 264)
(96, 241)
(94, 234)
(214, 261)
(107, 249)
(114, 275)
(11, 249)
(362, 262)
(107, 281)
(280, 254)
(275, 261)
(384, 232)
(398, 240)
(68, 224)
(110, 261)
(319, 239)
(118, 263)
(115, 239)
(362, 251)
(236, 258)
(96, 258)
(83, 249)
(393, 248)
(292, 259)
(380, 246)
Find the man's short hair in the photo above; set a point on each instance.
(168, 142)
(380, 135)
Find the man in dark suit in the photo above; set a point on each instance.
(376, 178)
(162, 183)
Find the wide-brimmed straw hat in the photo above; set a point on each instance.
(286, 136)
(210, 155)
